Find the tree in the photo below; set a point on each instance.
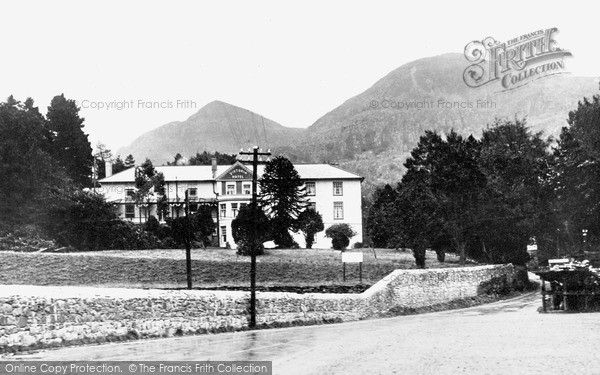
(205, 158)
(29, 175)
(177, 160)
(150, 187)
(118, 165)
(101, 155)
(250, 230)
(83, 220)
(577, 177)
(518, 195)
(417, 223)
(381, 216)
(69, 145)
(340, 235)
(129, 161)
(197, 227)
(189, 228)
(284, 197)
(310, 223)
(447, 169)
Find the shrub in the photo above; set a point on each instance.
(497, 286)
(340, 235)
(83, 220)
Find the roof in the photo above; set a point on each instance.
(204, 173)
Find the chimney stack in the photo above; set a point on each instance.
(214, 167)
(107, 168)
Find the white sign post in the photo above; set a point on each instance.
(352, 258)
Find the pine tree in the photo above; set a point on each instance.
(69, 144)
(129, 161)
(29, 175)
(118, 165)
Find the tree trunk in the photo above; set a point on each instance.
(462, 256)
(419, 254)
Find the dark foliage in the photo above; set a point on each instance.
(284, 198)
(310, 223)
(250, 229)
(340, 235)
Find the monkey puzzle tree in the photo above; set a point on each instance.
(283, 195)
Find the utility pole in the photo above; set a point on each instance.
(188, 241)
(255, 153)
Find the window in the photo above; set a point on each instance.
(247, 188)
(338, 210)
(312, 206)
(338, 188)
(223, 234)
(223, 208)
(234, 209)
(193, 192)
(310, 188)
(129, 194)
(129, 211)
(230, 189)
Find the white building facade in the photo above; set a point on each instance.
(332, 191)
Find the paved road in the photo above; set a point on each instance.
(507, 337)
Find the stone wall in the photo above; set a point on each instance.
(49, 316)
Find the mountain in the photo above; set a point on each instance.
(374, 141)
(217, 126)
(372, 133)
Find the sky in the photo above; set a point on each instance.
(290, 61)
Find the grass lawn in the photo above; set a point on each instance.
(211, 267)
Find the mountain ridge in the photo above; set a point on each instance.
(373, 132)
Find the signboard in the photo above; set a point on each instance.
(531, 247)
(352, 257)
(237, 172)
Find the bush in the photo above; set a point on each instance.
(152, 225)
(127, 235)
(83, 220)
(340, 235)
(250, 224)
(25, 238)
(497, 286)
(358, 245)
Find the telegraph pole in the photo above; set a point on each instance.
(255, 153)
(188, 241)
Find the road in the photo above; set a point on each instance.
(506, 337)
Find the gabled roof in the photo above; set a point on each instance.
(236, 166)
(204, 173)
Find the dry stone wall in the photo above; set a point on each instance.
(34, 316)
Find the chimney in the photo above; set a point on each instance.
(213, 163)
(108, 168)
